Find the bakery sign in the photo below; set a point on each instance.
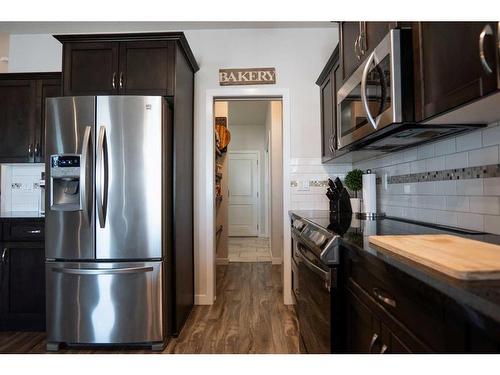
(247, 76)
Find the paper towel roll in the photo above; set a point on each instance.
(369, 193)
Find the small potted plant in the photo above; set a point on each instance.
(354, 182)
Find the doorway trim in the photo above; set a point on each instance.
(207, 226)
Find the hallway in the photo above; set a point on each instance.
(247, 317)
(249, 249)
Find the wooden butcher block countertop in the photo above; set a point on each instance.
(458, 257)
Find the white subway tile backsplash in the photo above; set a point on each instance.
(425, 151)
(492, 224)
(492, 186)
(417, 166)
(457, 203)
(491, 136)
(469, 141)
(448, 187)
(445, 147)
(410, 155)
(458, 160)
(471, 221)
(485, 205)
(447, 218)
(470, 187)
(435, 164)
(427, 188)
(483, 156)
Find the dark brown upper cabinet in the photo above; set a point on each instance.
(146, 68)
(90, 68)
(328, 89)
(22, 98)
(358, 40)
(454, 63)
(127, 64)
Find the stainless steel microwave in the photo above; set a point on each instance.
(371, 98)
(376, 107)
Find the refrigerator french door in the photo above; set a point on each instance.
(104, 260)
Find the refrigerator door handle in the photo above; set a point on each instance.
(102, 271)
(83, 174)
(102, 176)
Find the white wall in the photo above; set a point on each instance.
(297, 54)
(34, 53)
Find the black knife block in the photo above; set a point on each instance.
(342, 205)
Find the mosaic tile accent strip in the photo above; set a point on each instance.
(312, 183)
(486, 171)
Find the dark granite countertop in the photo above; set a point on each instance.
(21, 215)
(481, 296)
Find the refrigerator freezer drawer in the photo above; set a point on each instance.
(104, 303)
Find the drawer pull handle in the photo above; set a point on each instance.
(35, 231)
(384, 349)
(4, 255)
(382, 298)
(372, 342)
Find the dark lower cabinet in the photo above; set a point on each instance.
(362, 330)
(387, 311)
(450, 68)
(22, 275)
(22, 290)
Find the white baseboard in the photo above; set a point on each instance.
(222, 261)
(277, 260)
(202, 299)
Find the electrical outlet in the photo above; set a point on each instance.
(303, 185)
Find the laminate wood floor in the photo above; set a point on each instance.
(248, 317)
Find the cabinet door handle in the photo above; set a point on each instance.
(487, 30)
(383, 298)
(362, 38)
(357, 48)
(4, 255)
(372, 342)
(30, 151)
(34, 231)
(113, 81)
(384, 349)
(121, 80)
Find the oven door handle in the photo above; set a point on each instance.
(364, 97)
(326, 276)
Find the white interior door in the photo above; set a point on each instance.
(243, 199)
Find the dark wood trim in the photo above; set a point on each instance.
(31, 75)
(127, 37)
(329, 66)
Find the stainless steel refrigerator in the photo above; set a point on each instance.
(108, 214)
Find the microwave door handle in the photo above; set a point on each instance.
(83, 174)
(364, 98)
(487, 30)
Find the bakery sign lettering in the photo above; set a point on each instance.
(248, 76)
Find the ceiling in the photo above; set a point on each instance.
(96, 27)
(247, 112)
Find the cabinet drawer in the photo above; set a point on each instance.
(24, 231)
(415, 305)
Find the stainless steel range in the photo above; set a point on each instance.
(315, 257)
(105, 213)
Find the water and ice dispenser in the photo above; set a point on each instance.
(65, 183)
